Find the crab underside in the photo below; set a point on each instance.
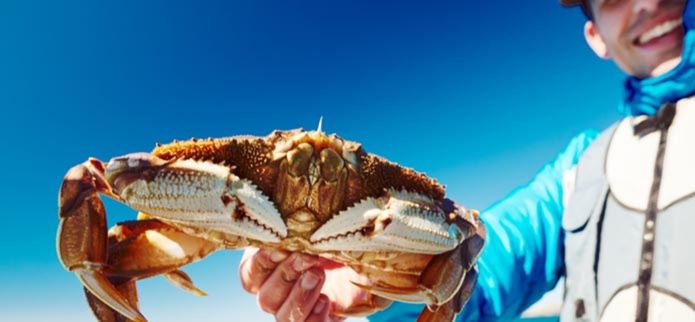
(293, 190)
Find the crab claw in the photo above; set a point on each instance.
(400, 221)
(195, 192)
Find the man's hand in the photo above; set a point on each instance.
(287, 285)
(300, 287)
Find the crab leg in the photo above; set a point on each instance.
(105, 313)
(150, 247)
(181, 280)
(140, 249)
(444, 275)
(451, 277)
(450, 309)
(82, 234)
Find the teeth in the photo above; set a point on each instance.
(660, 30)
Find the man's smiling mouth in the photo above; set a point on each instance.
(659, 31)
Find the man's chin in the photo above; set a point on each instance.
(665, 66)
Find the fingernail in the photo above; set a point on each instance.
(277, 256)
(309, 281)
(300, 264)
(320, 305)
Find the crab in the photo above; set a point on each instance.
(301, 191)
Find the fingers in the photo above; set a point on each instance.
(287, 285)
(319, 312)
(277, 287)
(256, 266)
(303, 297)
(322, 311)
(346, 298)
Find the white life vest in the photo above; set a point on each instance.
(630, 222)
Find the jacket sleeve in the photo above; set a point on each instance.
(523, 254)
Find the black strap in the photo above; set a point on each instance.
(661, 122)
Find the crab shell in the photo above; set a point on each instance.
(293, 190)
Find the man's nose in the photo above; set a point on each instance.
(638, 6)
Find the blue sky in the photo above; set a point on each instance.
(479, 94)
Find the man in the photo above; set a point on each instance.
(613, 213)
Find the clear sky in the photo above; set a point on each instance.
(479, 94)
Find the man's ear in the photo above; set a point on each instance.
(595, 41)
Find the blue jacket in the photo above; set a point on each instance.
(523, 255)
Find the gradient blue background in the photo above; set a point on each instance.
(479, 94)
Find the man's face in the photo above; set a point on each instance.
(644, 37)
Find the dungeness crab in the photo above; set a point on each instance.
(295, 190)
